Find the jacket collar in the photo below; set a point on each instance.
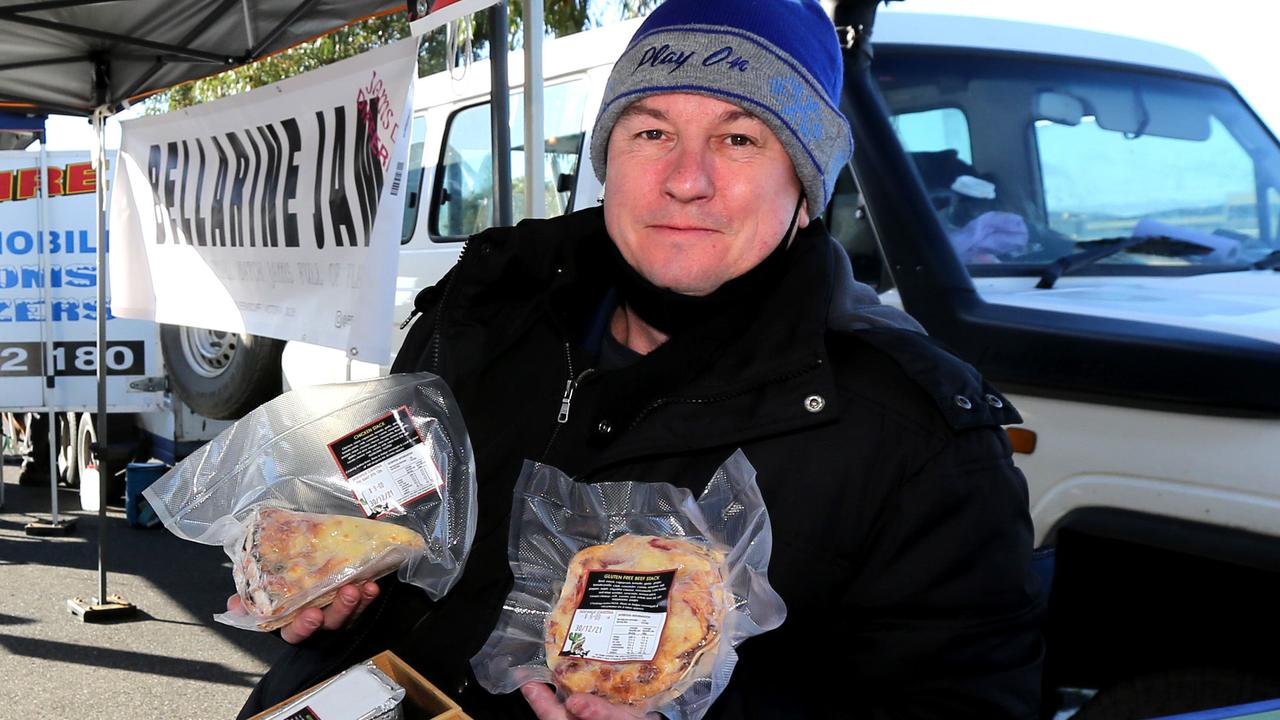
(764, 373)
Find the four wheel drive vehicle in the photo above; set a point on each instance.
(1094, 222)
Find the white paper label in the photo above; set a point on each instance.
(387, 464)
(620, 616)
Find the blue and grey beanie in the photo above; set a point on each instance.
(778, 59)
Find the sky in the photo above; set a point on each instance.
(1231, 34)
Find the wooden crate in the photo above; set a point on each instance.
(422, 700)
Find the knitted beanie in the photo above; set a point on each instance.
(777, 59)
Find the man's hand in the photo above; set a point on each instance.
(579, 706)
(345, 608)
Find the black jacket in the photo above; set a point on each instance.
(901, 534)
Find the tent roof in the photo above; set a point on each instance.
(71, 56)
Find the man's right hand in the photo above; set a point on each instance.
(347, 605)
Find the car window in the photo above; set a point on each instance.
(1030, 161)
(930, 131)
(1207, 185)
(463, 196)
(413, 198)
(1271, 211)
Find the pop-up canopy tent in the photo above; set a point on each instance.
(75, 56)
(95, 57)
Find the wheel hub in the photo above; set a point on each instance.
(208, 352)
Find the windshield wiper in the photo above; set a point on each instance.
(1268, 261)
(1106, 247)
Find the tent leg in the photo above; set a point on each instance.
(56, 525)
(103, 607)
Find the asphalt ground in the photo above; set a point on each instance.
(171, 661)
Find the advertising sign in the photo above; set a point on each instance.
(48, 294)
(276, 212)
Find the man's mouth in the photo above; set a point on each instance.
(680, 227)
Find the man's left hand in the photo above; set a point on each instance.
(579, 706)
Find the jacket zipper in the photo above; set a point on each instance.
(566, 400)
(706, 400)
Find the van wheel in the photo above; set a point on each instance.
(68, 459)
(1179, 691)
(122, 437)
(9, 439)
(221, 375)
(34, 448)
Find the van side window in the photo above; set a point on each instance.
(413, 200)
(463, 196)
(462, 200)
(1271, 219)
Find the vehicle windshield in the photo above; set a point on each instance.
(1027, 161)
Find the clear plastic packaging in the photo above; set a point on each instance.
(389, 450)
(634, 591)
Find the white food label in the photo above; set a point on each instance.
(387, 464)
(620, 616)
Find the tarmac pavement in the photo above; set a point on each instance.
(171, 661)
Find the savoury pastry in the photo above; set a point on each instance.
(290, 561)
(635, 615)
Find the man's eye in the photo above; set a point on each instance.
(651, 134)
(740, 140)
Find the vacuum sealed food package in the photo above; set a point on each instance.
(283, 558)
(329, 485)
(636, 592)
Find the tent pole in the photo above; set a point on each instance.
(100, 354)
(56, 525)
(103, 607)
(535, 202)
(500, 115)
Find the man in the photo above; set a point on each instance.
(701, 310)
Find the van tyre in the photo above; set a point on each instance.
(35, 450)
(221, 375)
(1179, 691)
(68, 461)
(122, 439)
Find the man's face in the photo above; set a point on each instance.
(697, 191)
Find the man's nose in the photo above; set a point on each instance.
(689, 175)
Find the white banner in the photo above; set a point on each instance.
(277, 212)
(48, 294)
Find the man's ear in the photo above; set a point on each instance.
(802, 220)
